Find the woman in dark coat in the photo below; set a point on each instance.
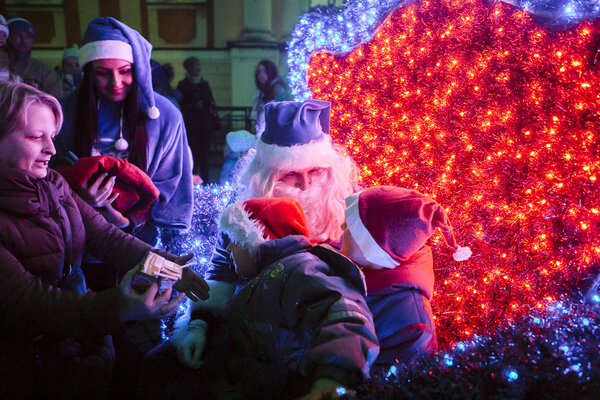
(54, 333)
(199, 114)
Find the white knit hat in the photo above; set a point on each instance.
(240, 141)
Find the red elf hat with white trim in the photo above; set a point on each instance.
(390, 224)
(256, 221)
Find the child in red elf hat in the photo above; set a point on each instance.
(385, 233)
(301, 323)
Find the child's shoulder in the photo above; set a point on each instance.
(339, 264)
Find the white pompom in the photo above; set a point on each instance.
(121, 144)
(153, 112)
(462, 253)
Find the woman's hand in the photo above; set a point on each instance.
(147, 305)
(113, 216)
(98, 193)
(192, 284)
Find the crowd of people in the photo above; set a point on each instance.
(315, 285)
(192, 95)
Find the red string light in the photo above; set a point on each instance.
(495, 117)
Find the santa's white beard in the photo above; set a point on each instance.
(323, 215)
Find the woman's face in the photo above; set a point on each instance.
(113, 78)
(31, 147)
(21, 41)
(261, 74)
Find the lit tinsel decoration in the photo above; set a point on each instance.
(551, 354)
(340, 30)
(209, 203)
(200, 239)
(496, 117)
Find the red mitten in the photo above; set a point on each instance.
(136, 190)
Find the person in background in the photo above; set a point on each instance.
(160, 84)
(199, 113)
(70, 71)
(54, 333)
(3, 31)
(4, 66)
(271, 87)
(169, 76)
(31, 70)
(237, 143)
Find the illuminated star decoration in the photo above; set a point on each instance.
(478, 106)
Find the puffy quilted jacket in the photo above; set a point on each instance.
(44, 229)
(305, 312)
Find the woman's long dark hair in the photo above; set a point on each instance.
(85, 128)
(267, 88)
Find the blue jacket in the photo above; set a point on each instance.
(399, 302)
(306, 311)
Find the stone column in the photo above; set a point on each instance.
(88, 10)
(257, 21)
(292, 10)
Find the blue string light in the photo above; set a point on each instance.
(512, 375)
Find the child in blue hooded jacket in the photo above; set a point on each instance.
(300, 325)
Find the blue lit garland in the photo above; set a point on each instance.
(200, 239)
(551, 355)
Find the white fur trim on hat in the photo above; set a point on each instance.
(103, 49)
(296, 157)
(368, 246)
(242, 229)
(462, 253)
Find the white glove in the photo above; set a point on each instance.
(190, 344)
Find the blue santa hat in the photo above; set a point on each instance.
(109, 38)
(296, 135)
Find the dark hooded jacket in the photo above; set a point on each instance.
(44, 229)
(304, 315)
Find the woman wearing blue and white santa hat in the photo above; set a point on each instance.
(115, 112)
